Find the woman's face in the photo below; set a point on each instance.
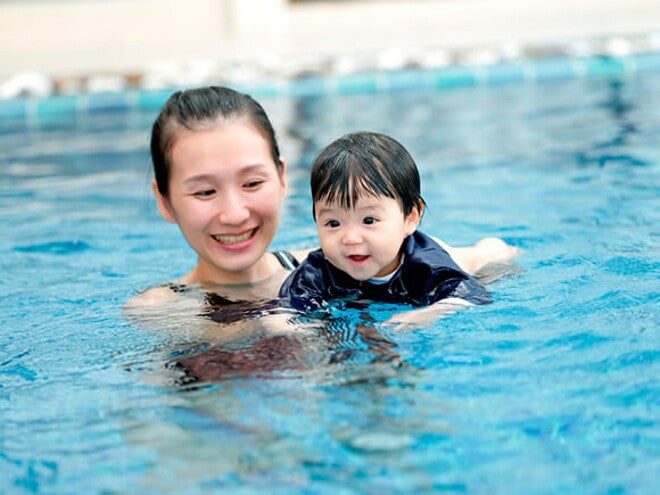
(225, 195)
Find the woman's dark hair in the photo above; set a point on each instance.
(366, 163)
(200, 108)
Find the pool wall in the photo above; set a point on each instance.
(74, 37)
(84, 56)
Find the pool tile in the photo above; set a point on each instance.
(57, 105)
(454, 77)
(406, 79)
(646, 62)
(307, 86)
(504, 73)
(13, 108)
(267, 89)
(106, 101)
(152, 99)
(357, 83)
(554, 69)
(604, 66)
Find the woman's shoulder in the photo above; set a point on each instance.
(156, 295)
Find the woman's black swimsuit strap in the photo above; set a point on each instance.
(286, 259)
(178, 288)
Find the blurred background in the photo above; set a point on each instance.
(88, 45)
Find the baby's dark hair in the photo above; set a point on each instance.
(366, 163)
(201, 108)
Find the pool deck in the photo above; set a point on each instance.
(102, 45)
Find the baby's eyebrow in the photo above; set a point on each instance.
(325, 211)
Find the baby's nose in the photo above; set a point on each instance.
(352, 236)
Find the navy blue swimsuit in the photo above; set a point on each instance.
(427, 275)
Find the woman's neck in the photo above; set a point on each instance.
(260, 274)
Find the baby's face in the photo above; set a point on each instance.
(364, 241)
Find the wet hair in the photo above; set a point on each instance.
(199, 109)
(366, 163)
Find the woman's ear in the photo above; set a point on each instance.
(163, 204)
(283, 179)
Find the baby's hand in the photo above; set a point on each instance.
(486, 251)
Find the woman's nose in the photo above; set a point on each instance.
(233, 210)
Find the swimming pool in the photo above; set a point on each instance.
(553, 388)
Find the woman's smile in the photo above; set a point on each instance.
(229, 239)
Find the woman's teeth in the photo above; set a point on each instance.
(233, 239)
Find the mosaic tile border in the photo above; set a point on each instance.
(42, 98)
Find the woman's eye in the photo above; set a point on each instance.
(205, 193)
(369, 220)
(254, 183)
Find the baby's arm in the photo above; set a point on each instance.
(489, 250)
(426, 316)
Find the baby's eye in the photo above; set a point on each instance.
(333, 224)
(369, 220)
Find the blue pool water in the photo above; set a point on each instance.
(551, 389)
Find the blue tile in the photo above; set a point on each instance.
(357, 83)
(453, 77)
(646, 62)
(554, 69)
(307, 86)
(604, 66)
(58, 105)
(13, 108)
(152, 99)
(266, 89)
(106, 101)
(504, 73)
(406, 79)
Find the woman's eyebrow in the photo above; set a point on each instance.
(249, 169)
(196, 179)
(255, 167)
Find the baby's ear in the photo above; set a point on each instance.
(421, 206)
(412, 220)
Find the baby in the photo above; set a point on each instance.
(367, 206)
